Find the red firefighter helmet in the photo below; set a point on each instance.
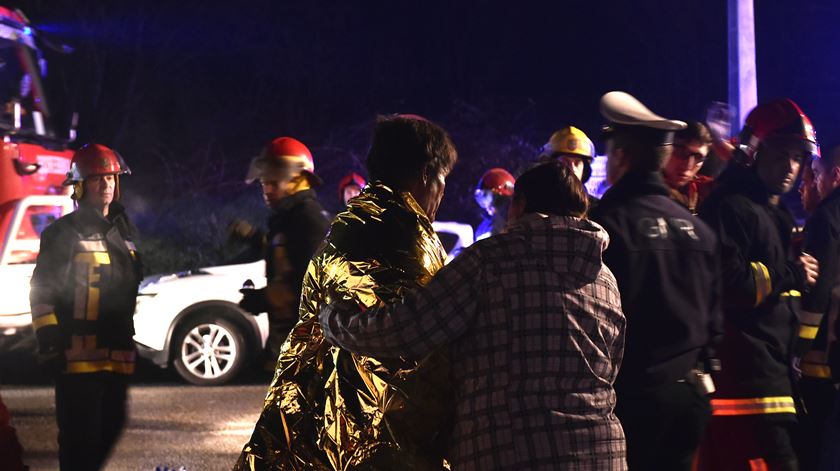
(283, 158)
(95, 159)
(498, 181)
(351, 178)
(776, 119)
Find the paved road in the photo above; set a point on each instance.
(170, 423)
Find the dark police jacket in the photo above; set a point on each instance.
(84, 290)
(761, 296)
(820, 305)
(665, 261)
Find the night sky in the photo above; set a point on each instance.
(189, 91)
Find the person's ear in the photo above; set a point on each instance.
(427, 175)
(835, 175)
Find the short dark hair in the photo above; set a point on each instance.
(646, 150)
(403, 146)
(552, 188)
(695, 131)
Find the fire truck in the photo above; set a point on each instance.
(33, 165)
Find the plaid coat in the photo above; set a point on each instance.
(534, 321)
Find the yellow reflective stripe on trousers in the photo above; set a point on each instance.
(763, 284)
(753, 406)
(44, 321)
(808, 332)
(97, 366)
(813, 370)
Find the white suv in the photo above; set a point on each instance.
(192, 320)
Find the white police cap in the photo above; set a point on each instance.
(624, 109)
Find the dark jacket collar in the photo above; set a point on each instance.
(291, 201)
(635, 183)
(831, 198)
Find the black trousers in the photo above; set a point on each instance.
(91, 413)
(750, 442)
(663, 425)
(819, 395)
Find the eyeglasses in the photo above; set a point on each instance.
(682, 152)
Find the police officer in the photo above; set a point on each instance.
(296, 226)
(754, 412)
(493, 194)
(84, 290)
(672, 315)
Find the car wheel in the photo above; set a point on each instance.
(208, 351)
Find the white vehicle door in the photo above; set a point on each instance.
(19, 252)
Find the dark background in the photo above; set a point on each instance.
(189, 91)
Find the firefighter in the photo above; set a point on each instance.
(754, 411)
(493, 194)
(574, 148)
(690, 149)
(819, 307)
(350, 187)
(296, 226)
(672, 316)
(84, 290)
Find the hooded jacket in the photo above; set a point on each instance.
(533, 319)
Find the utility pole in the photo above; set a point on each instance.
(743, 87)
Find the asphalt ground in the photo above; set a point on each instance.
(171, 423)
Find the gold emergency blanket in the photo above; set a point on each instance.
(329, 409)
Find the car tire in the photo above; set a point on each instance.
(208, 350)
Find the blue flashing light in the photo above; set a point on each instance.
(27, 30)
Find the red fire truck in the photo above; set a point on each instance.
(33, 164)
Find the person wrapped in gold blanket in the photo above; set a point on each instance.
(327, 409)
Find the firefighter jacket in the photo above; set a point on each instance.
(84, 291)
(821, 303)
(329, 409)
(665, 261)
(296, 228)
(761, 295)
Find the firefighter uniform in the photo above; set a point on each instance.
(84, 290)
(296, 228)
(817, 319)
(762, 287)
(754, 411)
